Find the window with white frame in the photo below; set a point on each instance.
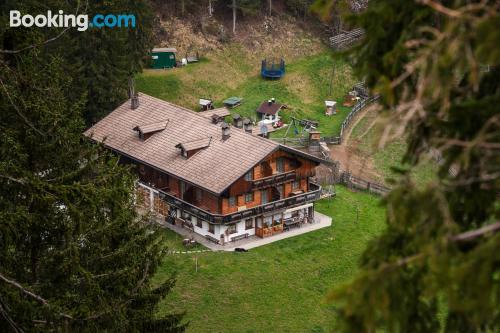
(232, 201)
(295, 185)
(199, 223)
(211, 228)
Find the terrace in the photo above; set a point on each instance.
(299, 199)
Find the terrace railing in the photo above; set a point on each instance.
(313, 195)
(273, 180)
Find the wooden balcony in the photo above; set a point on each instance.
(300, 199)
(273, 180)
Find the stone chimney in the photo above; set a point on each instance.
(226, 131)
(237, 121)
(134, 102)
(247, 125)
(134, 98)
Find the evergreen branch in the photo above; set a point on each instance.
(462, 237)
(24, 290)
(5, 314)
(440, 8)
(126, 302)
(467, 144)
(27, 292)
(15, 180)
(487, 177)
(50, 40)
(26, 120)
(473, 234)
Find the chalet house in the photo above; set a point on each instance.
(219, 180)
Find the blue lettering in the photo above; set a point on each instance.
(95, 21)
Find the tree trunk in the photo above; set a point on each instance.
(210, 9)
(270, 7)
(183, 7)
(234, 17)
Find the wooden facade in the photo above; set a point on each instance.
(280, 175)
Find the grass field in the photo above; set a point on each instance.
(232, 72)
(280, 287)
(365, 138)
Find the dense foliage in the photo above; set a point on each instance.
(74, 255)
(437, 266)
(98, 60)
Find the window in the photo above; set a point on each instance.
(249, 197)
(198, 194)
(295, 185)
(199, 223)
(281, 190)
(280, 165)
(263, 195)
(231, 229)
(211, 228)
(249, 175)
(248, 224)
(232, 201)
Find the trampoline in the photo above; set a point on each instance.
(272, 70)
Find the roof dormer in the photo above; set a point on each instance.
(146, 131)
(190, 148)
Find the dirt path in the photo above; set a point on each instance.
(350, 156)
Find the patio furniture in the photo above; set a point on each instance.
(232, 102)
(239, 237)
(212, 239)
(291, 222)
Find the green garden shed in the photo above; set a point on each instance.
(163, 57)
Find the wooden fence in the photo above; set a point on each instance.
(334, 140)
(346, 39)
(365, 185)
(337, 140)
(350, 181)
(355, 110)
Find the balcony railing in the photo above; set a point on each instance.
(273, 180)
(299, 199)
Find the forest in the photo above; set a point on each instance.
(77, 255)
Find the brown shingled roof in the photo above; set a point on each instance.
(153, 127)
(214, 168)
(221, 112)
(270, 108)
(195, 144)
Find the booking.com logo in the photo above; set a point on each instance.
(62, 20)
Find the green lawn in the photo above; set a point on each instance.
(280, 287)
(366, 136)
(232, 72)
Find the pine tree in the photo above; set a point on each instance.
(99, 60)
(74, 254)
(437, 265)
